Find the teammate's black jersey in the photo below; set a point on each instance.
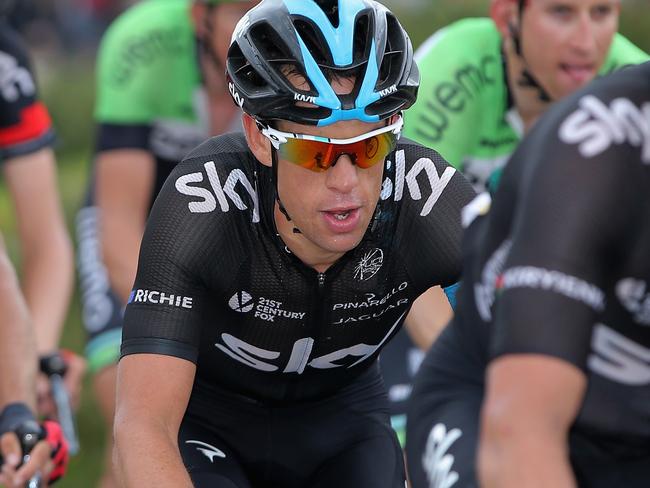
(560, 265)
(217, 286)
(25, 124)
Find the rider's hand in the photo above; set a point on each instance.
(14, 475)
(73, 378)
(49, 458)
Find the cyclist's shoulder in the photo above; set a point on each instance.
(464, 39)
(226, 152)
(408, 152)
(220, 170)
(622, 52)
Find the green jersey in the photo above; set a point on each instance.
(463, 109)
(148, 76)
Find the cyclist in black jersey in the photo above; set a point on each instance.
(277, 263)
(553, 311)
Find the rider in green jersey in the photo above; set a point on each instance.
(484, 80)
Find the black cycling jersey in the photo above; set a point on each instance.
(558, 266)
(217, 286)
(25, 124)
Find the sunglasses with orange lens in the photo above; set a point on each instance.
(317, 153)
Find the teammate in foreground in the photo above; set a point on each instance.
(552, 311)
(486, 81)
(276, 264)
(18, 362)
(161, 91)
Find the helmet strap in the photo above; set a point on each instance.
(528, 80)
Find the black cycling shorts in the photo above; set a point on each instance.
(342, 441)
(443, 419)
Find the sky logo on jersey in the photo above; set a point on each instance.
(618, 357)
(301, 353)
(369, 265)
(409, 181)
(436, 460)
(265, 309)
(220, 193)
(15, 79)
(155, 297)
(634, 296)
(595, 127)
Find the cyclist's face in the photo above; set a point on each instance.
(333, 208)
(565, 42)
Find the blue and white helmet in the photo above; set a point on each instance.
(321, 39)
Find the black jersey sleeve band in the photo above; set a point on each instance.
(122, 136)
(159, 346)
(29, 147)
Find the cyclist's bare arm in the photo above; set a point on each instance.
(47, 255)
(530, 404)
(18, 356)
(17, 374)
(428, 316)
(125, 178)
(152, 395)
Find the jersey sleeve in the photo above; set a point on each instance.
(575, 211)
(453, 74)
(168, 302)
(25, 124)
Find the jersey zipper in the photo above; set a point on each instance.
(321, 281)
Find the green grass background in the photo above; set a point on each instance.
(67, 85)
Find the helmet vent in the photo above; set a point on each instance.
(393, 55)
(331, 10)
(314, 41)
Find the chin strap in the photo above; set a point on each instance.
(527, 80)
(274, 166)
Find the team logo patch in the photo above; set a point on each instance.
(206, 449)
(437, 461)
(369, 265)
(265, 308)
(241, 302)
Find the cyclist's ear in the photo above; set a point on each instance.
(504, 16)
(259, 145)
